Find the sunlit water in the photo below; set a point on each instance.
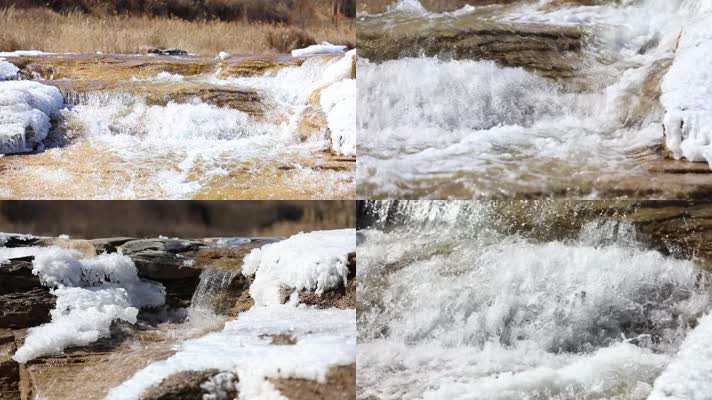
(123, 148)
(442, 128)
(450, 307)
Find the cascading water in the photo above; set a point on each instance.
(158, 138)
(459, 300)
(450, 126)
(210, 291)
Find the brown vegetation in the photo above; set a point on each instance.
(80, 32)
(226, 10)
(92, 219)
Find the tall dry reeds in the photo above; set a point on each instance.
(77, 32)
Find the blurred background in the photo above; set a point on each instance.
(184, 219)
(202, 27)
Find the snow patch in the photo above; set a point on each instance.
(323, 48)
(324, 339)
(313, 261)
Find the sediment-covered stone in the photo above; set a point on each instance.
(548, 50)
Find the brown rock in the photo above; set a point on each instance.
(109, 245)
(340, 385)
(340, 297)
(551, 51)
(25, 302)
(9, 368)
(245, 100)
(180, 386)
(83, 246)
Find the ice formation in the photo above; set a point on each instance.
(418, 133)
(243, 351)
(687, 94)
(203, 142)
(315, 261)
(8, 71)
(324, 339)
(323, 48)
(25, 112)
(338, 101)
(91, 294)
(452, 310)
(688, 375)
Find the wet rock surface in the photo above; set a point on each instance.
(181, 386)
(86, 166)
(341, 297)
(24, 302)
(175, 263)
(551, 51)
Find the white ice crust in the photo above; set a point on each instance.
(91, 294)
(314, 261)
(338, 101)
(324, 339)
(688, 377)
(8, 71)
(687, 94)
(25, 111)
(323, 48)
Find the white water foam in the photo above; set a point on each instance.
(448, 311)
(202, 142)
(422, 120)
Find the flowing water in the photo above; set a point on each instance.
(470, 300)
(153, 339)
(525, 99)
(128, 137)
(210, 291)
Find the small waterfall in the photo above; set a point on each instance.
(213, 285)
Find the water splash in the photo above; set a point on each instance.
(211, 290)
(453, 311)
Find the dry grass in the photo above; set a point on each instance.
(75, 32)
(227, 10)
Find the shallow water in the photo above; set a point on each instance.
(458, 301)
(111, 142)
(443, 125)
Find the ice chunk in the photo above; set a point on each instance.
(687, 377)
(338, 101)
(8, 70)
(82, 316)
(313, 261)
(323, 48)
(25, 111)
(25, 53)
(324, 339)
(687, 94)
(91, 294)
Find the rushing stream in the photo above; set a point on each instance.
(530, 98)
(458, 300)
(168, 136)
